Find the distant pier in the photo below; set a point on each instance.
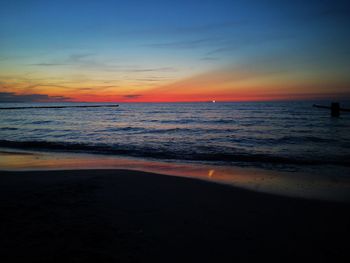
(335, 108)
(58, 107)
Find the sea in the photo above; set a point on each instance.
(271, 135)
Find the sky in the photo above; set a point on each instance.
(162, 51)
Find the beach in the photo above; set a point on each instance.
(132, 216)
(190, 182)
(174, 131)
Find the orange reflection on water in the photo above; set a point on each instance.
(211, 173)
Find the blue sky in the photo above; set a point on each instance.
(145, 44)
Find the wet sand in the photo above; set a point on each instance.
(131, 216)
(329, 183)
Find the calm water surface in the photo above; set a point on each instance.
(274, 134)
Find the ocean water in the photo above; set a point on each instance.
(269, 134)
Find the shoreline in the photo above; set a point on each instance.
(320, 186)
(132, 216)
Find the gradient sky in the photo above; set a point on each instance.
(174, 50)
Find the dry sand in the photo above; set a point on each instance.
(130, 216)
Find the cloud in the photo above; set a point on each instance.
(33, 86)
(209, 58)
(201, 29)
(132, 96)
(94, 88)
(205, 28)
(49, 64)
(79, 59)
(87, 61)
(186, 44)
(73, 59)
(80, 56)
(13, 97)
(149, 79)
(166, 69)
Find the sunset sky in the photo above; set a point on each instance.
(184, 50)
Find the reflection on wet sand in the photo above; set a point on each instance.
(282, 183)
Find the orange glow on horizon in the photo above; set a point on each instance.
(224, 85)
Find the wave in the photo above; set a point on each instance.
(141, 130)
(41, 122)
(8, 128)
(301, 139)
(196, 121)
(177, 154)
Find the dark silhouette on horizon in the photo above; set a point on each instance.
(58, 107)
(335, 108)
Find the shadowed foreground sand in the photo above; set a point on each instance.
(129, 216)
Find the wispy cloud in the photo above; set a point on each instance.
(199, 29)
(33, 86)
(209, 58)
(13, 97)
(164, 69)
(150, 79)
(79, 56)
(132, 96)
(76, 59)
(188, 44)
(96, 88)
(251, 40)
(89, 62)
(49, 64)
(206, 28)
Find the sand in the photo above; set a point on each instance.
(130, 216)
